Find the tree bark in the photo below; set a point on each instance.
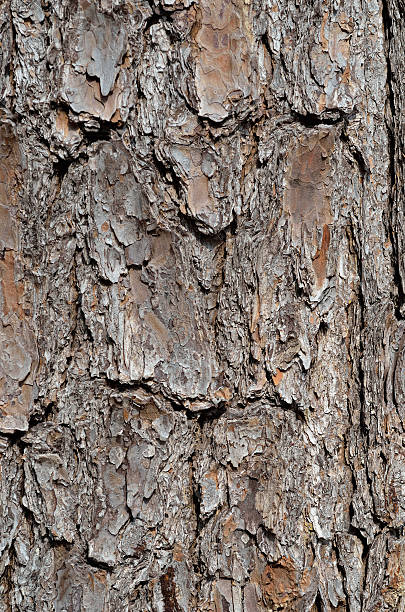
(202, 395)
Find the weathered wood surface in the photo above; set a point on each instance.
(202, 319)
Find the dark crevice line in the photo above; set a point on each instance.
(196, 494)
(61, 168)
(357, 244)
(292, 407)
(99, 564)
(312, 120)
(360, 377)
(318, 603)
(102, 134)
(266, 44)
(211, 415)
(154, 19)
(355, 531)
(167, 174)
(341, 568)
(199, 567)
(13, 45)
(159, 14)
(392, 124)
(357, 155)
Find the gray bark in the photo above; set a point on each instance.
(202, 331)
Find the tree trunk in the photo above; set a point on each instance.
(202, 323)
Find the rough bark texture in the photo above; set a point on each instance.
(202, 397)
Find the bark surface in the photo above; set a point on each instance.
(202, 395)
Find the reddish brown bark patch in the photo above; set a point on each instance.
(278, 377)
(306, 197)
(18, 357)
(321, 257)
(168, 587)
(224, 75)
(279, 584)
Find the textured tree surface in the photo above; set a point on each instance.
(202, 395)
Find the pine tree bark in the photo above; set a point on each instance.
(202, 332)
